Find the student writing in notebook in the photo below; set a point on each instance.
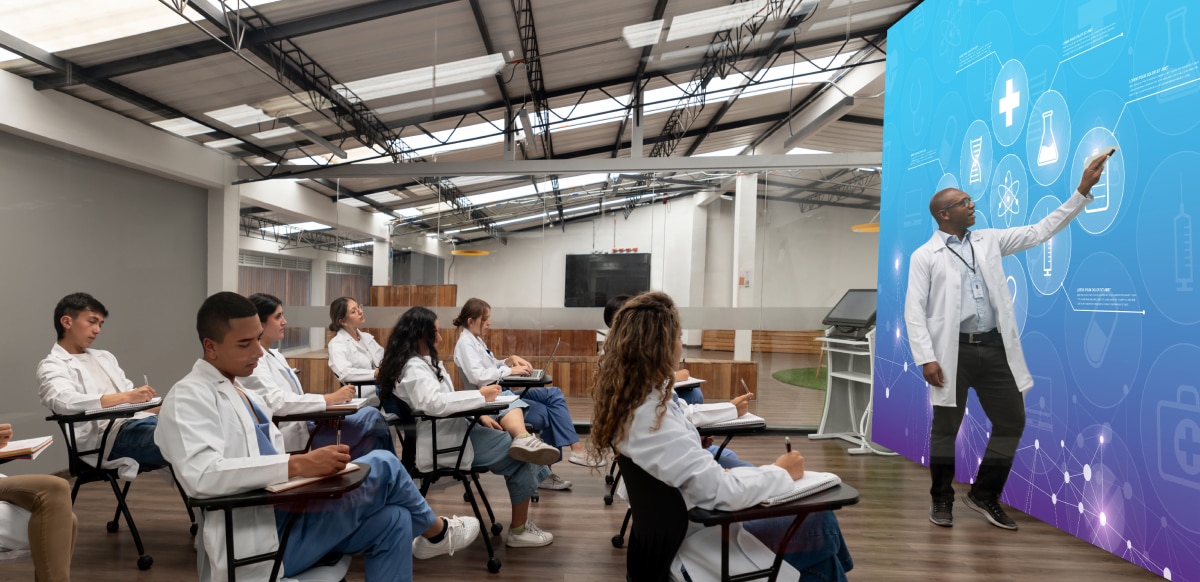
(220, 440)
(274, 381)
(545, 408)
(635, 414)
(354, 355)
(35, 513)
(75, 378)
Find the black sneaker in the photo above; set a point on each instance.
(990, 508)
(941, 513)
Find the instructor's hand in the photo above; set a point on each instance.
(1091, 174)
(933, 374)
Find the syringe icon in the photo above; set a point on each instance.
(1047, 258)
(1184, 272)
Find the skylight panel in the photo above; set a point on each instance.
(352, 202)
(640, 35)
(858, 18)
(733, 151)
(529, 190)
(289, 229)
(224, 143)
(239, 116)
(384, 197)
(407, 212)
(182, 126)
(425, 78)
(714, 19)
(797, 151)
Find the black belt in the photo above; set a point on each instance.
(990, 337)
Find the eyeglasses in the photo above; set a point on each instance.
(965, 203)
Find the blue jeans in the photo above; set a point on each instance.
(817, 550)
(135, 439)
(691, 395)
(379, 519)
(548, 414)
(729, 459)
(364, 431)
(491, 451)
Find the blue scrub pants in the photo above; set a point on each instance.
(491, 450)
(380, 519)
(135, 439)
(548, 414)
(364, 431)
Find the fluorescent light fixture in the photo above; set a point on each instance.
(442, 100)
(182, 126)
(274, 133)
(425, 78)
(224, 143)
(521, 219)
(384, 197)
(640, 35)
(358, 245)
(431, 235)
(284, 229)
(714, 19)
(352, 202)
(239, 116)
(406, 213)
(798, 151)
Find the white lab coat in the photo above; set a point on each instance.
(354, 361)
(207, 434)
(419, 388)
(476, 364)
(672, 454)
(14, 526)
(274, 382)
(66, 388)
(932, 307)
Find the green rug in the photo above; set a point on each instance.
(804, 377)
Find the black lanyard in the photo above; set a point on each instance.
(967, 239)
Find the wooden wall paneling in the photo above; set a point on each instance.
(408, 295)
(315, 375)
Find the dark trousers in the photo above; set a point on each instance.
(984, 368)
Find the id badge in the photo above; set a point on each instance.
(977, 288)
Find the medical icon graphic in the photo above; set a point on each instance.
(1179, 56)
(1007, 191)
(1048, 258)
(1179, 438)
(1048, 151)
(1184, 268)
(1096, 340)
(976, 171)
(1099, 193)
(1009, 102)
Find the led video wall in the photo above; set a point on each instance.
(1005, 101)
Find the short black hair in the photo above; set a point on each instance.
(212, 321)
(266, 305)
(72, 305)
(613, 306)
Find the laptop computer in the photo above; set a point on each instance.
(536, 375)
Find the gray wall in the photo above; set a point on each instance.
(135, 241)
(413, 268)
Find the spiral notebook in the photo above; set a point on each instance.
(812, 482)
(748, 419)
(295, 482)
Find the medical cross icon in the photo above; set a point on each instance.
(1010, 101)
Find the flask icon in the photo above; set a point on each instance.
(1184, 267)
(1179, 56)
(1048, 150)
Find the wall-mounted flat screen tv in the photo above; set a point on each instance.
(594, 279)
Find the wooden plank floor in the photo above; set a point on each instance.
(888, 532)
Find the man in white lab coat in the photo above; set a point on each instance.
(220, 440)
(963, 334)
(75, 378)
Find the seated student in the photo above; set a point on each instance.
(635, 414)
(698, 413)
(354, 355)
(220, 441)
(273, 381)
(545, 407)
(690, 395)
(35, 513)
(75, 378)
(412, 372)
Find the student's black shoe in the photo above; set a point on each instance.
(990, 508)
(941, 513)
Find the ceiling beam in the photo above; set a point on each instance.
(660, 8)
(207, 48)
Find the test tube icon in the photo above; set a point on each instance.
(1048, 258)
(1184, 268)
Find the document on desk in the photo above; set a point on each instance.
(25, 448)
(295, 482)
(747, 419)
(157, 400)
(812, 482)
(352, 404)
(506, 398)
(690, 382)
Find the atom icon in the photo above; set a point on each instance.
(1007, 191)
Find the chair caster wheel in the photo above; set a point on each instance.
(608, 479)
(111, 526)
(608, 499)
(618, 541)
(535, 498)
(466, 497)
(493, 565)
(194, 529)
(144, 562)
(496, 529)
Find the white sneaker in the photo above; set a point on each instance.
(532, 537)
(586, 461)
(460, 532)
(531, 449)
(555, 483)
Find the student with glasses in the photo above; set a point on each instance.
(354, 355)
(963, 334)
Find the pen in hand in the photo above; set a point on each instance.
(145, 380)
(339, 434)
(787, 443)
(744, 386)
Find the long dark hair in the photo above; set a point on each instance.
(417, 325)
(266, 304)
(337, 312)
(474, 308)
